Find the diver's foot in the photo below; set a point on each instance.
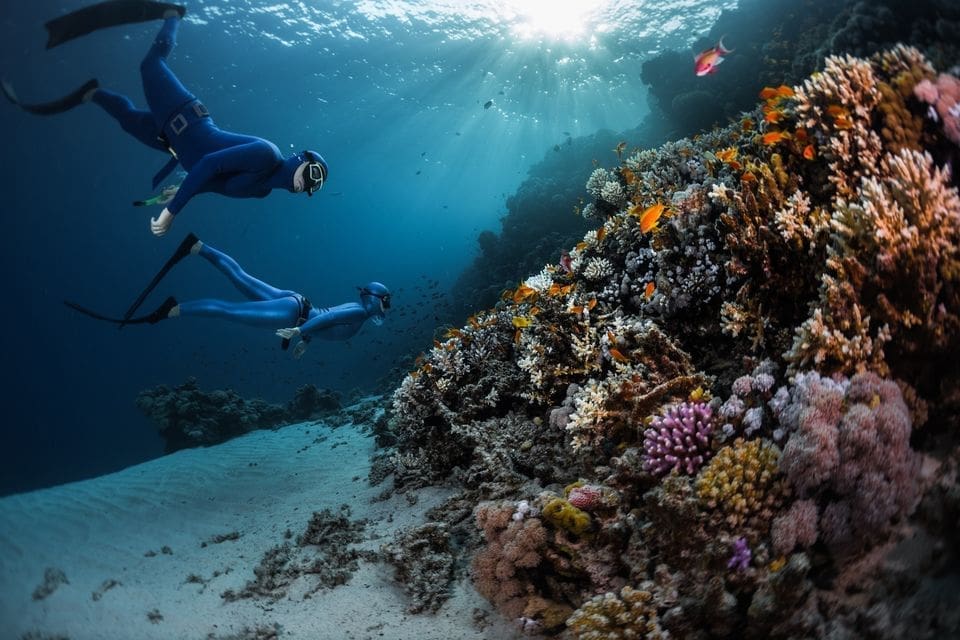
(188, 247)
(164, 311)
(89, 90)
(177, 12)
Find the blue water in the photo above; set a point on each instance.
(392, 97)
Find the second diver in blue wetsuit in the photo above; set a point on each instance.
(288, 312)
(218, 161)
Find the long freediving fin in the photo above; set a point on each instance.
(151, 318)
(182, 252)
(67, 102)
(110, 13)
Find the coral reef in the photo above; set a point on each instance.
(732, 408)
(188, 417)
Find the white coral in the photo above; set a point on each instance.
(597, 180)
(540, 282)
(586, 421)
(597, 269)
(613, 193)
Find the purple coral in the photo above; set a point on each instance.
(740, 560)
(849, 441)
(678, 440)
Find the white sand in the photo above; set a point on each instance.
(259, 485)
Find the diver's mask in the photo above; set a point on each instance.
(314, 172)
(382, 298)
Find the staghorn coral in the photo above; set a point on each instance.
(631, 614)
(894, 253)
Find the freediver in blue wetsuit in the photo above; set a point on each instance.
(217, 161)
(289, 312)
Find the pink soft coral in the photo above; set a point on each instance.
(944, 98)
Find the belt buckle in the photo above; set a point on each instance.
(178, 124)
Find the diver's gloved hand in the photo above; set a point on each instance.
(300, 349)
(161, 223)
(287, 334)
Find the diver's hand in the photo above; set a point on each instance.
(286, 334)
(300, 349)
(161, 224)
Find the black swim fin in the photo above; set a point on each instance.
(111, 13)
(160, 313)
(182, 252)
(67, 102)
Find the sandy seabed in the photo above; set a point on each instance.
(128, 542)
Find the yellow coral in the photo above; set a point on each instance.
(560, 513)
(632, 614)
(741, 483)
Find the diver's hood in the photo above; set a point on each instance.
(288, 169)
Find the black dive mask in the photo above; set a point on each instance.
(384, 297)
(314, 173)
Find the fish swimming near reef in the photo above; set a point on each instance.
(706, 62)
(488, 104)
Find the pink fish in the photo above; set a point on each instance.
(706, 62)
(566, 262)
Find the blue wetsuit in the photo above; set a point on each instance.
(218, 161)
(274, 308)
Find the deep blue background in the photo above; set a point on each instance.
(418, 169)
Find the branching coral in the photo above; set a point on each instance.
(678, 440)
(742, 485)
(894, 251)
(631, 614)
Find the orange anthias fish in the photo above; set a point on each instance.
(649, 289)
(727, 155)
(616, 355)
(650, 217)
(706, 62)
(809, 153)
(836, 111)
(775, 137)
(773, 116)
(523, 292)
(776, 93)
